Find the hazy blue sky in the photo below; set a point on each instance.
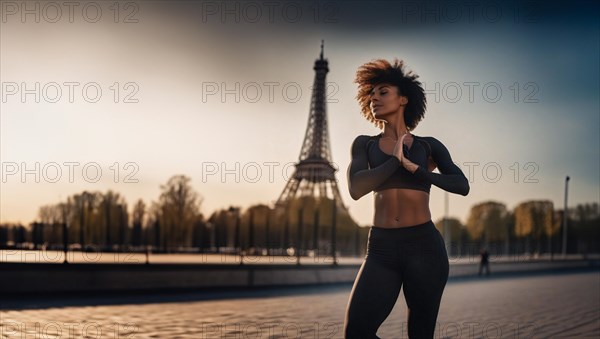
(179, 57)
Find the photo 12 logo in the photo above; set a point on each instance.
(491, 172)
(268, 91)
(475, 329)
(53, 172)
(56, 329)
(469, 12)
(249, 172)
(70, 91)
(69, 11)
(270, 12)
(490, 92)
(271, 330)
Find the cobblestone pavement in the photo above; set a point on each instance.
(540, 306)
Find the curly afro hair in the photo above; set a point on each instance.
(381, 71)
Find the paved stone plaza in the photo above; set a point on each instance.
(536, 306)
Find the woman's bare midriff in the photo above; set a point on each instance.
(401, 207)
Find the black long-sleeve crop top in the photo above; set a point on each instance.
(373, 170)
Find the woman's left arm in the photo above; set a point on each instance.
(451, 178)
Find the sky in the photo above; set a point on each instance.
(130, 95)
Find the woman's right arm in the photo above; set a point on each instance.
(361, 179)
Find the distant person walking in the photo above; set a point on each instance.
(484, 261)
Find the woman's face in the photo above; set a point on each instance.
(385, 100)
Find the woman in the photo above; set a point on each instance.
(404, 247)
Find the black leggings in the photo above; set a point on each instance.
(414, 256)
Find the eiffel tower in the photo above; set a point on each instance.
(314, 174)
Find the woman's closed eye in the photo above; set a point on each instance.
(380, 93)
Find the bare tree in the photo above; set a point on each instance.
(179, 206)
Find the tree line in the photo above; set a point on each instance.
(532, 226)
(97, 221)
(313, 226)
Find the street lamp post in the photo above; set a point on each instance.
(565, 217)
(299, 234)
(63, 208)
(267, 226)
(333, 232)
(238, 221)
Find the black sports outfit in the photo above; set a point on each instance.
(413, 256)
